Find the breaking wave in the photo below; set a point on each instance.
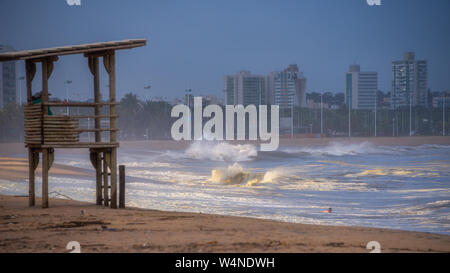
(236, 175)
(222, 151)
(346, 148)
(339, 149)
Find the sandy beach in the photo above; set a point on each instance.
(99, 229)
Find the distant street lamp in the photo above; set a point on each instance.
(410, 115)
(443, 114)
(349, 119)
(321, 113)
(376, 103)
(67, 82)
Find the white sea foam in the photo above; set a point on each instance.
(338, 149)
(236, 175)
(222, 151)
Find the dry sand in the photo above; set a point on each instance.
(99, 229)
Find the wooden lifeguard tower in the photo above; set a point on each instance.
(44, 131)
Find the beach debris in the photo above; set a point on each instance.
(75, 224)
(105, 228)
(335, 244)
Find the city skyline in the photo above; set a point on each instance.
(321, 37)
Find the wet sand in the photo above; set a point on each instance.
(16, 169)
(99, 229)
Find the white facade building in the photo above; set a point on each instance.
(360, 88)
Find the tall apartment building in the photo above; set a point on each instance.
(8, 87)
(245, 88)
(409, 83)
(360, 88)
(287, 88)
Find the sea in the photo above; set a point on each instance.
(395, 187)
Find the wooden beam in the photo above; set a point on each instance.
(44, 97)
(96, 145)
(71, 49)
(105, 181)
(51, 58)
(114, 178)
(98, 177)
(122, 186)
(31, 190)
(96, 97)
(94, 67)
(39, 56)
(30, 69)
(97, 54)
(79, 104)
(45, 85)
(110, 66)
(45, 167)
(80, 117)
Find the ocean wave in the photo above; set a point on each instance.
(337, 149)
(426, 208)
(236, 175)
(222, 151)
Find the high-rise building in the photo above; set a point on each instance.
(189, 98)
(360, 88)
(287, 88)
(8, 87)
(245, 88)
(409, 82)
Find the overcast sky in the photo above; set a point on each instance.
(195, 43)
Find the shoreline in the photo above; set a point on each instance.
(6, 149)
(100, 229)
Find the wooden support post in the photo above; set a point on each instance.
(122, 186)
(30, 69)
(105, 181)
(98, 177)
(45, 157)
(45, 75)
(45, 167)
(31, 190)
(93, 66)
(97, 97)
(114, 178)
(109, 61)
